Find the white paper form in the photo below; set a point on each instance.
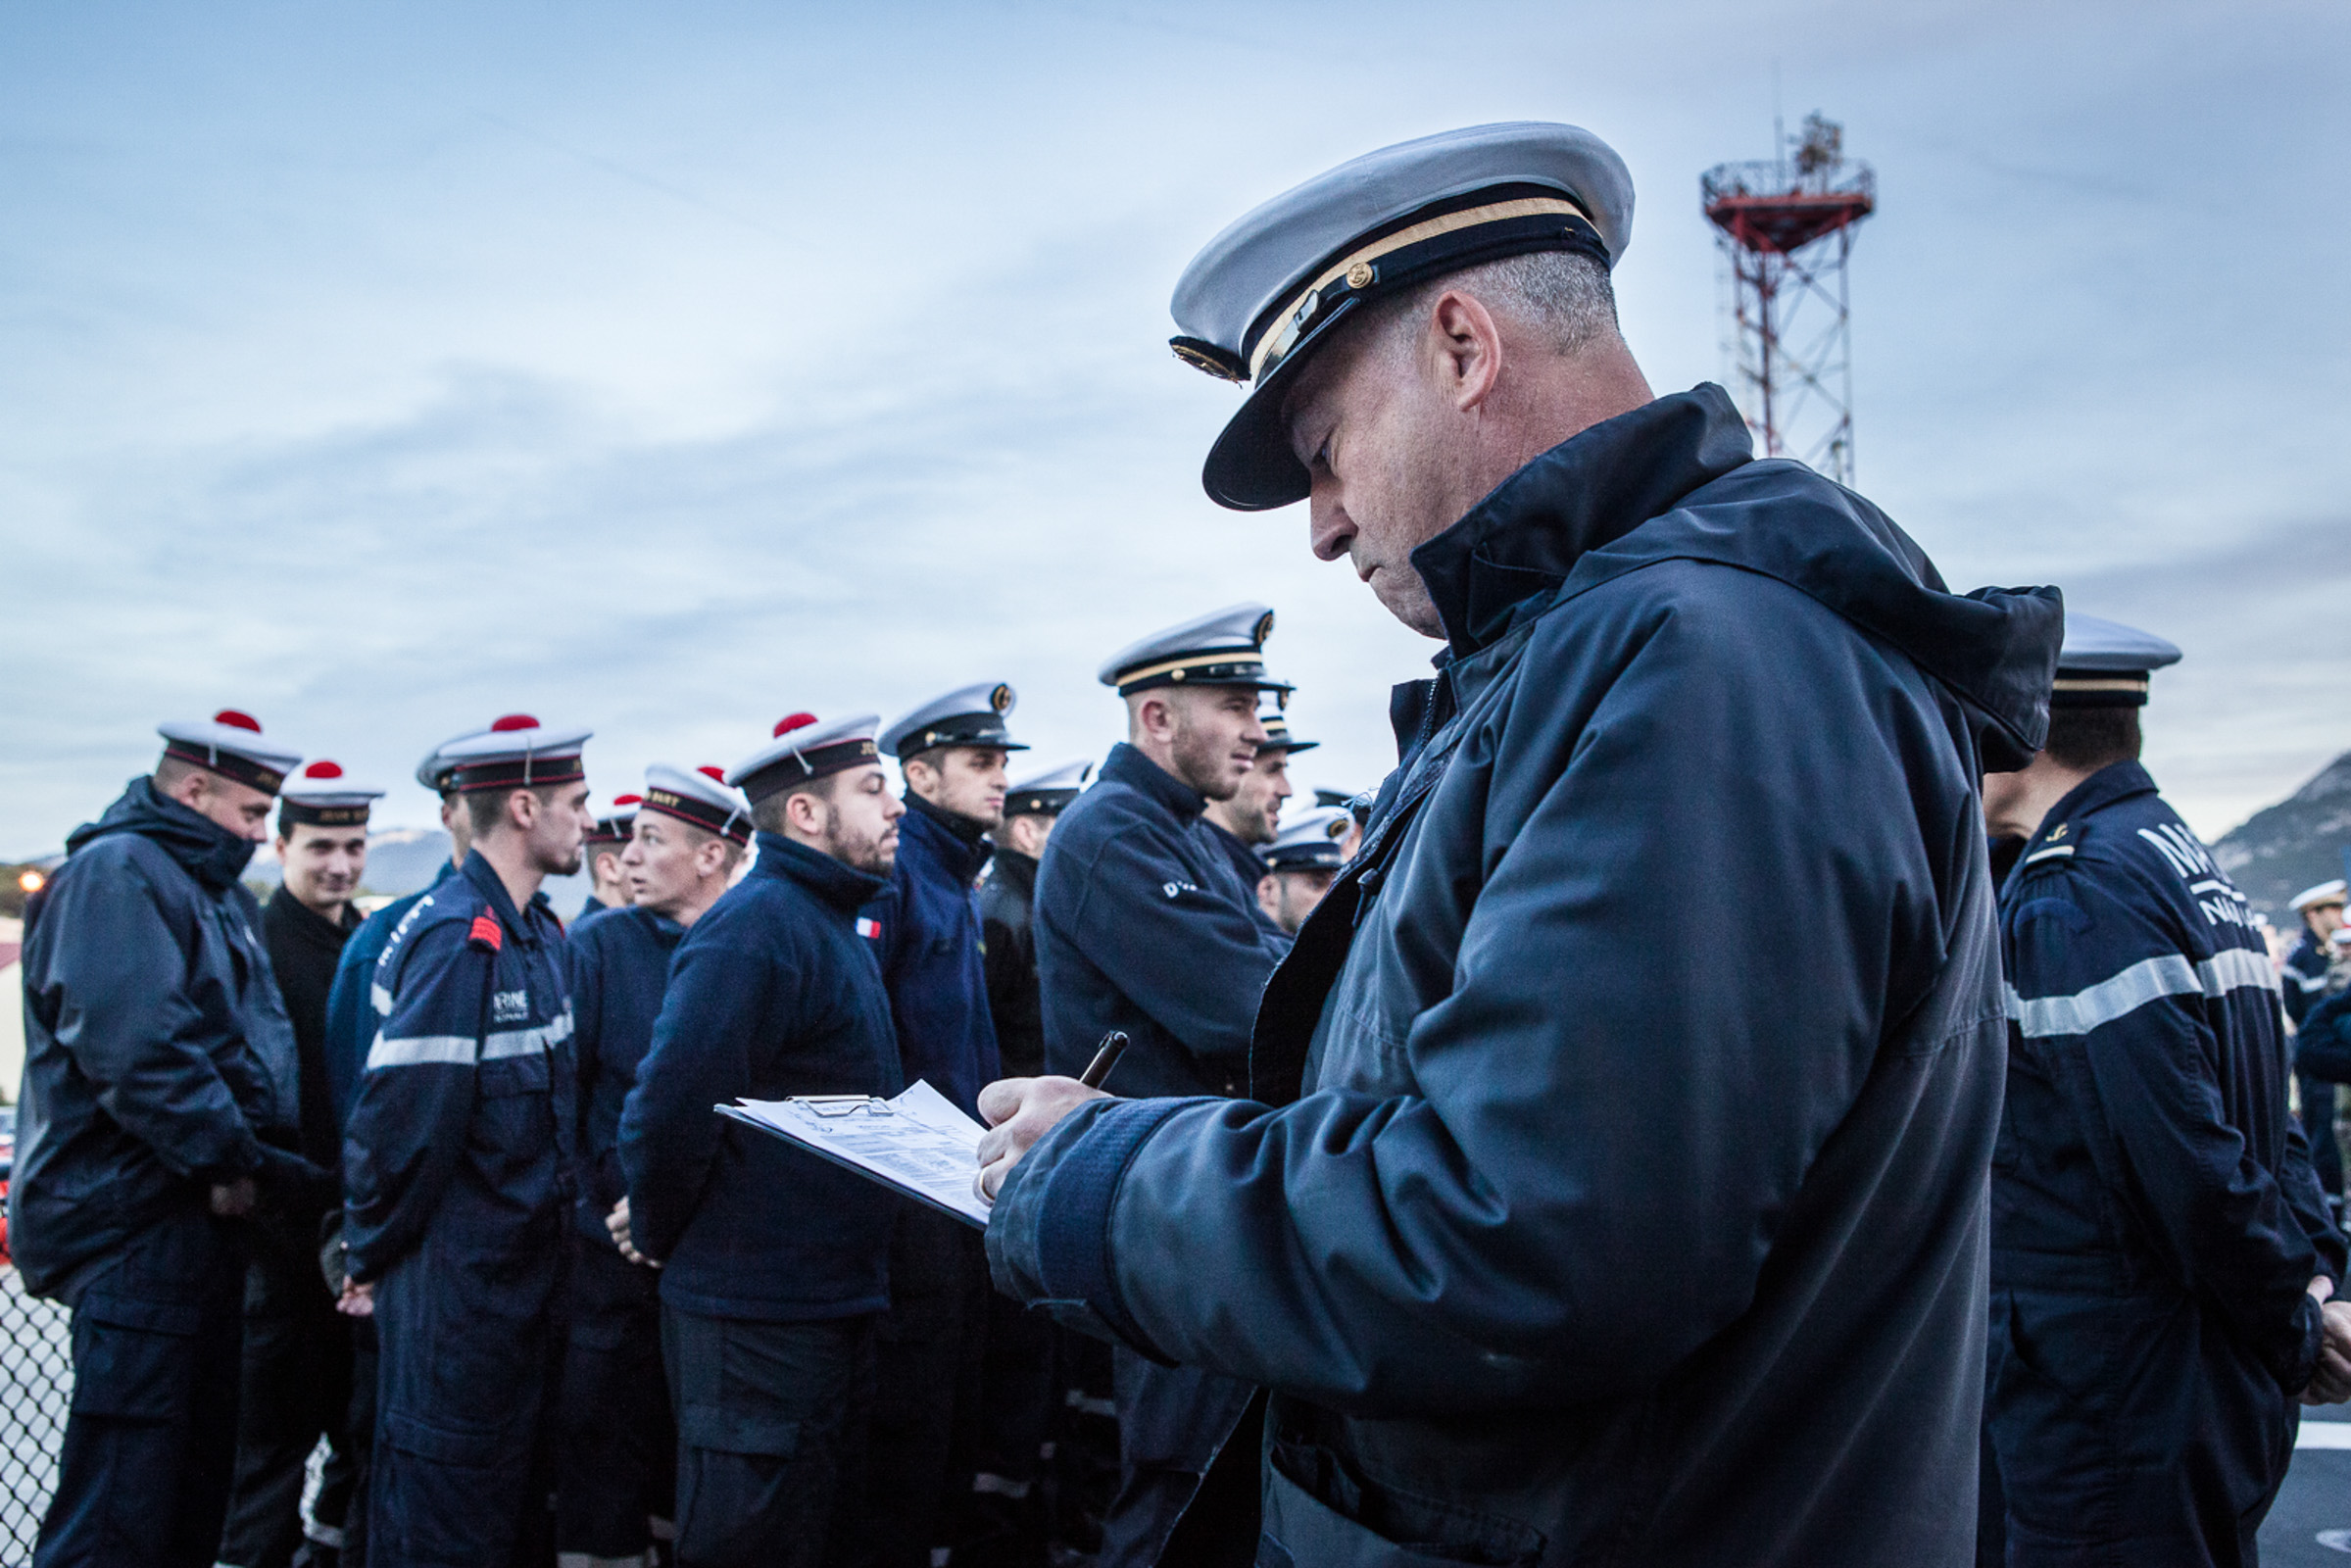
(918, 1143)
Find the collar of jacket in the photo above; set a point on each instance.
(1129, 766)
(956, 841)
(1592, 488)
(665, 931)
(844, 886)
(306, 924)
(1015, 870)
(201, 846)
(2115, 781)
(483, 878)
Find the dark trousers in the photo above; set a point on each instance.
(2318, 1125)
(1175, 1423)
(615, 1486)
(1012, 1427)
(151, 1433)
(2128, 1428)
(1083, 1476)
(771, 1425)
(296, 1389)
(460, 1475)
(926, 1383)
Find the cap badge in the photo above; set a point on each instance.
(1265, 629)
(1000, 698)
(1361, 274)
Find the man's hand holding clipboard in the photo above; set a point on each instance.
(1021, 1111)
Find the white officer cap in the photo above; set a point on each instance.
(1277, 737)
(1275, 282)
(1223, 648)
(231, 744)
(516, 752)
(968, 716)
(1310, 841)
(803, 748)
(2105, 664)
(320, 795)
(2323, 893)
(1046, 794)
(702, 798)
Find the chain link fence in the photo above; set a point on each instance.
(36, 1381)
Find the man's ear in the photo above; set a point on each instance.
(1468, 344)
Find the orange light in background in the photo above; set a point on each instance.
(31, 881)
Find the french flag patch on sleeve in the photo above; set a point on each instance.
(870, 930)
(487, 932)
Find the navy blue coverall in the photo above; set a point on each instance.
(2304, 984)
(457, 1176)
(2155, 1224)
(157, 1055)
(928, 1350)
(777, 1261)
(1144, 925)
(616, 1460)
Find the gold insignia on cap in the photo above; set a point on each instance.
(1175, 674)
(1000, 698)
(1361, 274)
(1265, 629)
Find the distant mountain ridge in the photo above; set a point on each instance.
(2296, 844)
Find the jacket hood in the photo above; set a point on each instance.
(201, 846)
(1676, 479)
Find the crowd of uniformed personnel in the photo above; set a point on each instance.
(1448, 1201)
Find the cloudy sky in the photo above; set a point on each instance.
(668, 368)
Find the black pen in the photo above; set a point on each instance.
(1105, 1058)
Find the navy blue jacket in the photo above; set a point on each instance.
(351, 1007)
(2145, 1146)
(930, 952)
(617, 966)
(1143, 925)
(157, 1052)
(772, 993)
(1557, 1236)
(2304, 981)
(464, 1114)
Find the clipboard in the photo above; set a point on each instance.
(918, 1143)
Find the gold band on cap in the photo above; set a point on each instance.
(2111, 683)
(1275, 343)
(1171, 666)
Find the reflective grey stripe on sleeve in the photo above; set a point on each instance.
(416, 1050)
(382, 996)
(2307, 983)
(528, 1042)
(2149, 980)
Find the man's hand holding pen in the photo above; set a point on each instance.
(1021, 1111)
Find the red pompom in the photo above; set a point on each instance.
(237, 720)
(323, 769)
(716, 775)
(784, 725)
(510, 721)
(628, 800)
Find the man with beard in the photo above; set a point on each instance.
(297, 1359)
(1147, 925)
(953, 750)
(1557, 1236)
(617, 1455)
(159, 1068)
(775, 1264)
(1250, 819)
(457, 1167)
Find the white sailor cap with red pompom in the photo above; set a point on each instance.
(231, 744)
(804, 747)
(322, 795)
(516, 752)
(700, 796)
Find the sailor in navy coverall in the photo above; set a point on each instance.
(158, 1061)
(2159, 1246)
(2304, 982)
(951, 750)
(616, 1460)
(776, 1263)
(457, 1171)
(1146, 924)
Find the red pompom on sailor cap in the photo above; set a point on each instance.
(699, 797)
(516, 752)
(324, 795)
(231, 744)
(805, 748)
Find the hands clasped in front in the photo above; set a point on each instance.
(1019, 1111)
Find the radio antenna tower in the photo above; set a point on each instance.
(1785, 230)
